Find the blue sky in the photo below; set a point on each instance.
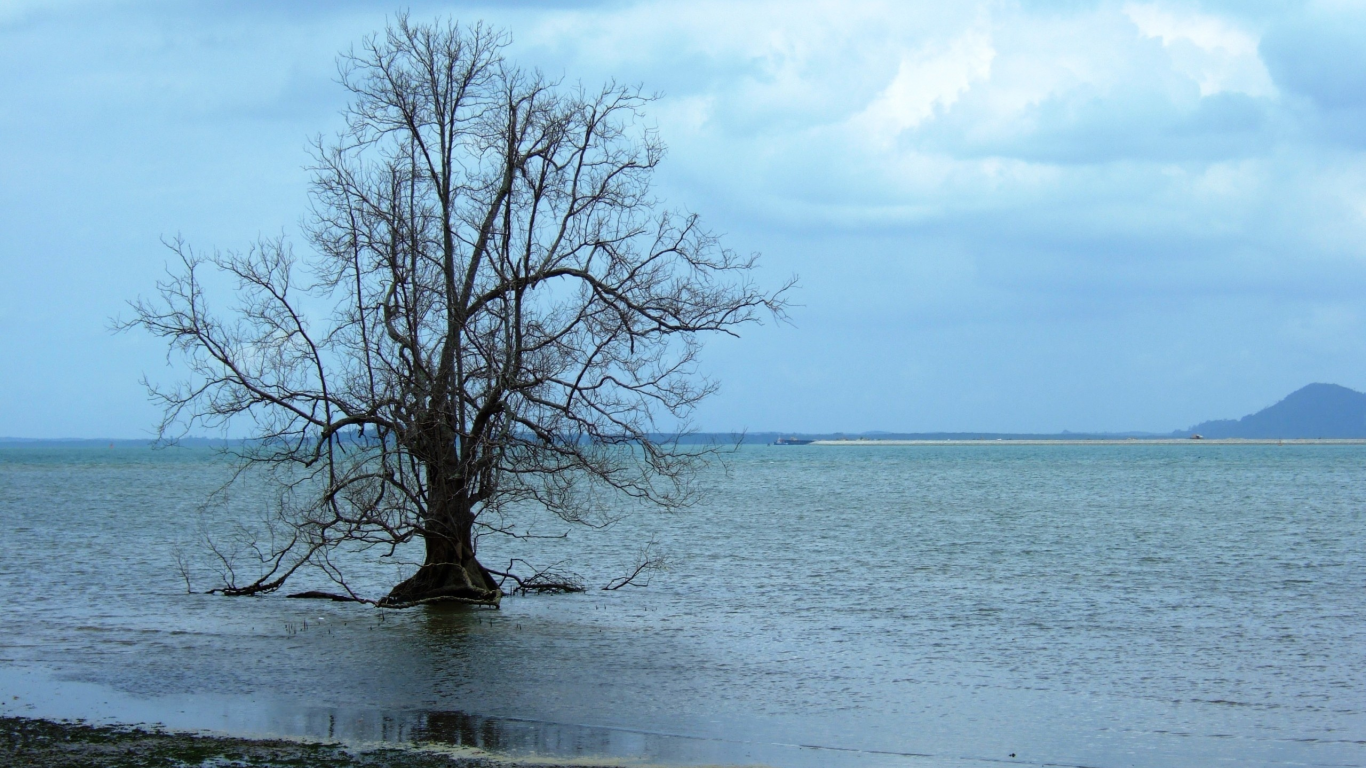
(1014, 216)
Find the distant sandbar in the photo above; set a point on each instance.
(1124, 441)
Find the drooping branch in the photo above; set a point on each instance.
(649, 562)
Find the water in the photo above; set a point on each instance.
(1073, 605)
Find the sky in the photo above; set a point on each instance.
(1004, 216)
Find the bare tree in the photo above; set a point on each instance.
(511, 318)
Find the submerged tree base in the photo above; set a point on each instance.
(446, 582)
(490, 598)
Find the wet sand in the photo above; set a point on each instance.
(33, 743)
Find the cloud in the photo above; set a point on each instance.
(1321, 56)
(1129, 167)
(858, 111)
(1210, 50)
(927, 82)
(996, 207)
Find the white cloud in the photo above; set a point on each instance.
(916, 107)
(927, 81)
(1212, 51)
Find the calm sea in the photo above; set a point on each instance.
(920, 606)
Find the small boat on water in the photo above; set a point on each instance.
(791, 441)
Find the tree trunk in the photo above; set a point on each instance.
(450, 573)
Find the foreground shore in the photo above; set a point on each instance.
(30, 743)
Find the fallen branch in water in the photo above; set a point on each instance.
(314, 594)
(541, 582)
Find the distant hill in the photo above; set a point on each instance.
(1318, 410)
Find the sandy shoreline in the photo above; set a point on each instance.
(1125, 441)
(39, 743)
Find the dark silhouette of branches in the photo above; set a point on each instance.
(512, 320)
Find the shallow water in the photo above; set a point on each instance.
(1076, 605)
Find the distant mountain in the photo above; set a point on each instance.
(1318, 410)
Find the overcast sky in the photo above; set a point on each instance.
(1013, 216)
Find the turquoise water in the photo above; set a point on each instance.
(1077, 605)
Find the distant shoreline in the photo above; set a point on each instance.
(1101, 441)
(768, 438)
